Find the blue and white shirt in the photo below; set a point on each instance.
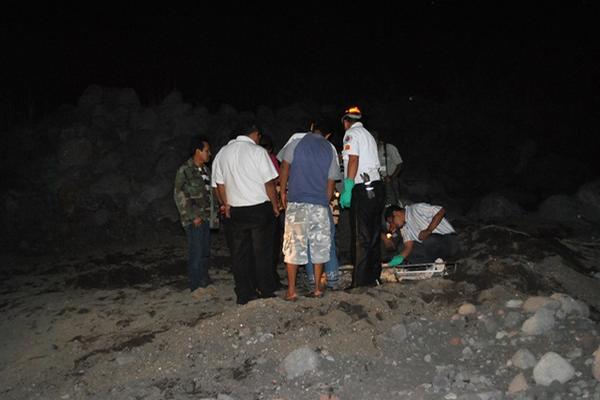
(313, 161)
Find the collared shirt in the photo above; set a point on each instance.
(418, 217)
(359, 142)
(192, 192)
(389, 158)
(243, 167)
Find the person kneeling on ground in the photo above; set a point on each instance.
(426, 233)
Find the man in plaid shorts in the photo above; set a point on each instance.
(309, 170)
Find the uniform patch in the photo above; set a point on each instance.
(347, 147)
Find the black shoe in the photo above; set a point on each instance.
(245, 300)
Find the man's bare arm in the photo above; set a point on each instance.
(222, 196)
(272, 194)
(352, 166)
(284, 174)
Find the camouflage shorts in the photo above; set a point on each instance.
(306, 225)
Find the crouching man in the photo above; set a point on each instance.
(426, 233)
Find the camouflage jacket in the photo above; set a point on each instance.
(192, 193)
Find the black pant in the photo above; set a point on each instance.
(228, 232)
(391, 191)
(277, 244)
(252, 251)
(436, 245)
(365, 227)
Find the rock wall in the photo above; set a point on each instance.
(102, 170)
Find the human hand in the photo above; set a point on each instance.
(346, 197)
(424, 234)
(396, 260)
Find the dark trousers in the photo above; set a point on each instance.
(365, 228)
(198, 254)
(436, 245)
(277, 246)
(226, 226)
(252, 251)
(391, 191)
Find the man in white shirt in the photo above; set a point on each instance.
(244, 176)
(363, 194)
(391, 163)
(426, 233)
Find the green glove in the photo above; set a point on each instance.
(396, 260)
(346, 196)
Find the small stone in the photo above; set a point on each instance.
(535, 303)
(596, 365)
(518, 384)
(514, 303)
(467, 309)
(523, 359)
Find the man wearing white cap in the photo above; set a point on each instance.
(363, 194)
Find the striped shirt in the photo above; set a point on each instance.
(418, 216)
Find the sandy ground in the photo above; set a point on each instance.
(120, 323)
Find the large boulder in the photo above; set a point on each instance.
(144, 119)
(173, 107)
(127, 97)
(75, 152)
(92, 96)
(552, 367)
(113, 185)
(589, 197)
(495, 207)
(560, 208)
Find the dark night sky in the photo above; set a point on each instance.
(240, 56)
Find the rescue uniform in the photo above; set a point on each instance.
(366, 205)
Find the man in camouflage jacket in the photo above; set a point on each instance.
(192, 195)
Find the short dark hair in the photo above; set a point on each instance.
(267, 143)
(389, 211)
(250, 129)
(318, 125)
(198, 142)
(247, 127)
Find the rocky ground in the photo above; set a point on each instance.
(517, 320)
